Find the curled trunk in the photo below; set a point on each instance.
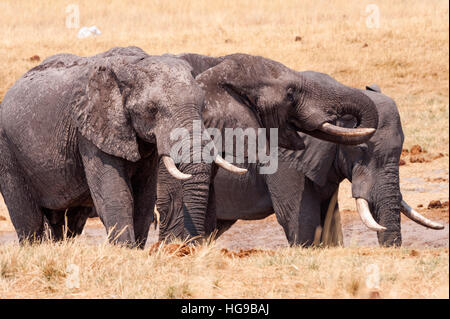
(351, 102)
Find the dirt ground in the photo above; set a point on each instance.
(421, 183)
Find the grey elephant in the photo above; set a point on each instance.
(301, 203)
(84, 132)
(244, 91)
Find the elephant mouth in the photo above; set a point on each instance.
(290, 139)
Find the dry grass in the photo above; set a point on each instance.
(113, 272)
(407, 55)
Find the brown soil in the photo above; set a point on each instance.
(178, 250)
(35, 58)
(418, 159)
(418, 155)
(242, 253)
(414, 253)
(416, 149)
(435, 204)
(437, 180)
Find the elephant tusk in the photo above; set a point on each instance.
(419, 219)
(343, 131)
(220, 161)
(364, 212)
(173, 170)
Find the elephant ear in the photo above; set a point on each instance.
(101, 117)
(314, 161)
(224, 106)
(199, 63)
(232, 76)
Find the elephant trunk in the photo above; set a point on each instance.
(386, 206)
(195, 194)
(350, 102)
(186, 147)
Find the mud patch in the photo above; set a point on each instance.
(418, 155)
(416, 149)
(437, 180)
(414, 253)
(436, 204)
(418, 159)
(405, 152)
(35, 58)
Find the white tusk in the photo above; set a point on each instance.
(343, 131)
(419, 219)
(173, 170)
(364, 212)
(220, 161)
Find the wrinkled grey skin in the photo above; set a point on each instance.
(243, 91)
(84, 132)
(300, 202)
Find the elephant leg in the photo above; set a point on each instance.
(25, 213)
(211, 216)
(309, 227)
(286, 187)
(74, 218)
(111, 192)
(222, 226)
(144, 189)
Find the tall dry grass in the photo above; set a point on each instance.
(106, 271)
(407, 55)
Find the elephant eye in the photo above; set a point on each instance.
(152, 111)
(362, 147)
(290, 94)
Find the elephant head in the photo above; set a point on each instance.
(372, 167)
(130, 95)
(288, 100)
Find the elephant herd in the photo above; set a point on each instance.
(86, 136)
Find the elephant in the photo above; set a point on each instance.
(305, 191)
(252, 92)
(78, 133)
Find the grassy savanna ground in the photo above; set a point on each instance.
(112, 272)
(407, 55)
